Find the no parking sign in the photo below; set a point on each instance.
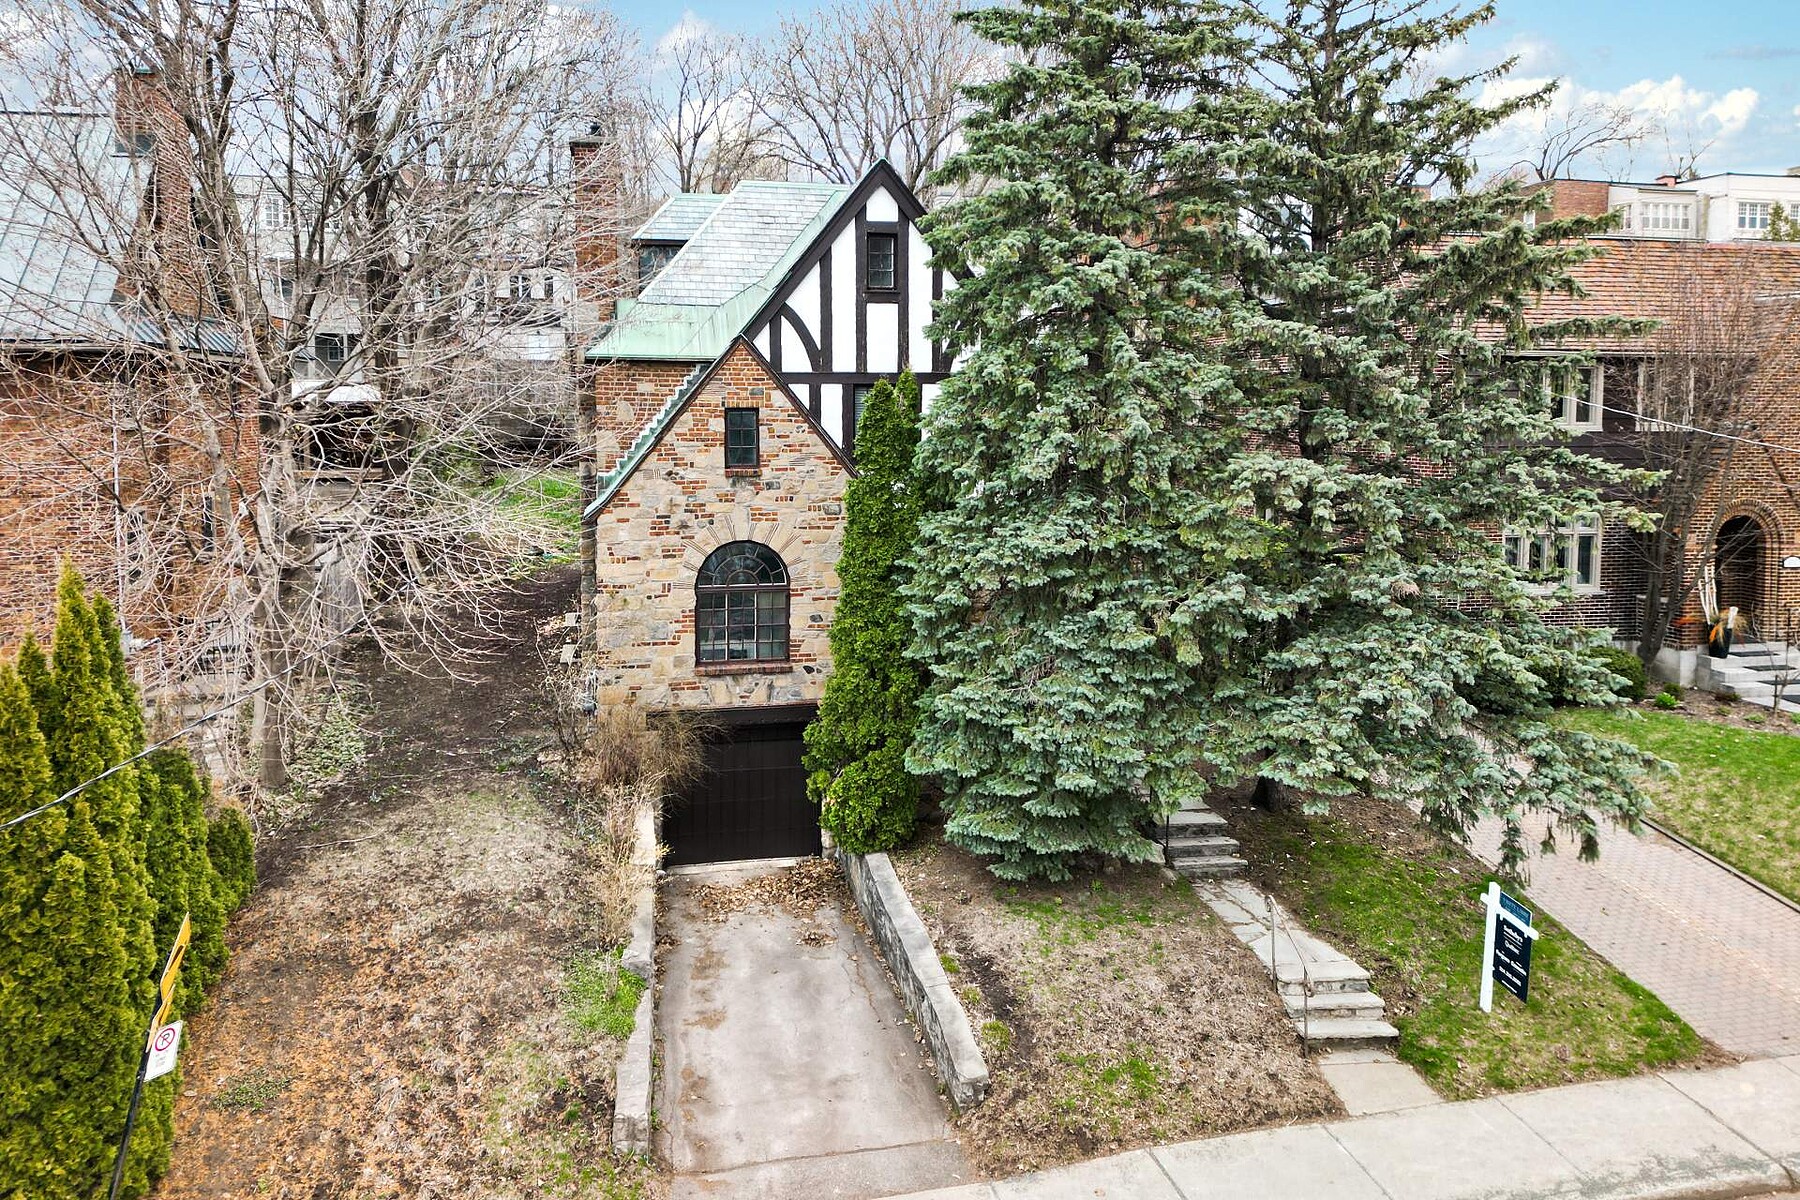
(162, 1051)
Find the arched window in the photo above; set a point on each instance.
(741, 605)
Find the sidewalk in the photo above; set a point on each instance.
(1682, 1134)
(1713, 948)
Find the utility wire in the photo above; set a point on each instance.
(190, 727)
(1730, 437)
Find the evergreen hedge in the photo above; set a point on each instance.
(232, 850)
(91, 896)
(856, 749)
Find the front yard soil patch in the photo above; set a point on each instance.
(1114, 1011)
(418, 1005)
(1405, 903)
(1737, 790)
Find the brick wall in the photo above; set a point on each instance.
(678, 507)
(626, 395)
(81, 435)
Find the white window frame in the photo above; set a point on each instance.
(1568, 404)
(273, 211)
(1553, 557)
(1668, 218)
(1753, 217)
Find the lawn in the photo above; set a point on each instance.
(550, 500)
(1737, 793)
(1405, 903)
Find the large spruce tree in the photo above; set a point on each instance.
(1374, 640)
(1060, 713)
(856, 750)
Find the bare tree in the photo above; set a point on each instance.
(381, 195)
(853, 84)
(1588, 128)
(704, 106)
(1697, 409)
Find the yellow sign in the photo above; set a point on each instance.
(165, 987)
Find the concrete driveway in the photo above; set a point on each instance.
(788, 1066)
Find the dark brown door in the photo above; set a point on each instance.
(750, 802)
(1740, 566)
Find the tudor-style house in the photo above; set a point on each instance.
(1694, 256)
(726, 395)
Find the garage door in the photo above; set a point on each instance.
(750, 802)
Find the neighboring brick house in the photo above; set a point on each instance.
(1672, 275)
(726, 396)
(126, 442)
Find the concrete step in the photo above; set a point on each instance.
(1214, 867)
(1337, 1006)
(1176, 849)
(1340, 1034)
(1192, 822)
(1324, 978)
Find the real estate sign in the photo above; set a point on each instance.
(1506, 950)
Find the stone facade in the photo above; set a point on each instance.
(679, 506)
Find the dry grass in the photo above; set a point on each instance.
(1114, 1011)
(615, 763)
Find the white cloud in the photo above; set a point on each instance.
(687, 29)
(1689, 121)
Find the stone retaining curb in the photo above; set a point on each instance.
(913, 959)
(1680, 1135)
(634, 1075)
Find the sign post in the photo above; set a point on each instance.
(158, 1057)
(1506, 946)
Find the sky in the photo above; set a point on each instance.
(1714, 79)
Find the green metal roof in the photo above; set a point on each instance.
(723, 276)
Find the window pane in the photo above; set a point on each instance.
(1585, 574)
(741, 449)
(880, 260)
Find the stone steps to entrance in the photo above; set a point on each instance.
(1326, 994)
(1328, 1006)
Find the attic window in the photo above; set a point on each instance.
(652, 257)
(881, 252)
(741, 449)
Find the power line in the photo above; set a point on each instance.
(1730, 437)
(190, 727)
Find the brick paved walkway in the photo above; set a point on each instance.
(1716, 950)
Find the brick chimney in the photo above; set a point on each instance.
(597, 193)
(165, 254)
(1668, 180)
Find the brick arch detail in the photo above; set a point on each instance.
(779, 536)
(1774, 529)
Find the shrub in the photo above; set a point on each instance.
(1627, 666)
(856, 750)
(1666, 699)
(232, 848)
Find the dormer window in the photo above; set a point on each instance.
(881, 255)
(652, 257)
